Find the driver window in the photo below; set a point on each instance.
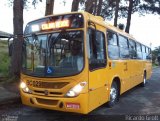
(96, 49)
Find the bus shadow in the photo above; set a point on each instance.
(126, 97)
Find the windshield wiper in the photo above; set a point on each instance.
(54, 41)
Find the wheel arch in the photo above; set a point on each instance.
(145, 72)
(118, 82)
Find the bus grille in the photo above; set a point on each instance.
(50, 93)
(48, 85)
(53, 85)
(47, 102)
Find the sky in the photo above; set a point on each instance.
(146, 29)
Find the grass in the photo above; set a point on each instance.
(154, 65)
(4, 59)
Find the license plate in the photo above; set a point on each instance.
(73, 105)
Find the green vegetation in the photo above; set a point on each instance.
(155, 54)
(4, 59)
(154, 65)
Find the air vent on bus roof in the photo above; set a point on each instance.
(121, 26)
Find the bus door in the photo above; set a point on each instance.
(97, 65)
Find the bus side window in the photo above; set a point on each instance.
(113, 49)
(144, 52)
(96, 49)
(123, 44)
(139, 51)
(132, 49)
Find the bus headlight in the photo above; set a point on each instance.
(75, 91)
(24, 87)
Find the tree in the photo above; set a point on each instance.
(120, 8)
(116, 13)
(150, 6)
(75, 5)
(108, 8)
(89, 6)
(102, 8)
(49, 7)
(125, 9)
(94, 7)
(99, 9)
(155, 54)
(129, 16)
(16, 58)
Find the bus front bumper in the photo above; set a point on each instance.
(77, 104)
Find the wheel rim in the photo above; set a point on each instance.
(113, 94)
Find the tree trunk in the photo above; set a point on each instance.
(89, 6)
(116, 13)
(95, 7)
(75, 5)
(99, 8)
(49, 7)
(16, 58)
(129, 16)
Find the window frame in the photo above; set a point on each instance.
(108, 30)
(119, 35)
(140, 45)
(105, 53)
(135, 47)
(123, 47)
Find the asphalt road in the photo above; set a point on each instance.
(141, 103)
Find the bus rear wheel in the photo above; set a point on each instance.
(114, 95)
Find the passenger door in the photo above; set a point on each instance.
(97, 71)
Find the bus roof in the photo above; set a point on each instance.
(98, 20)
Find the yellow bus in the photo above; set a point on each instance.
(75, 62)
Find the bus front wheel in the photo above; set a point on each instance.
(114, 94)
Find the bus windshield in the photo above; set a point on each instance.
(55, 54)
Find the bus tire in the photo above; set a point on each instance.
(143, 84)
(114, 94)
